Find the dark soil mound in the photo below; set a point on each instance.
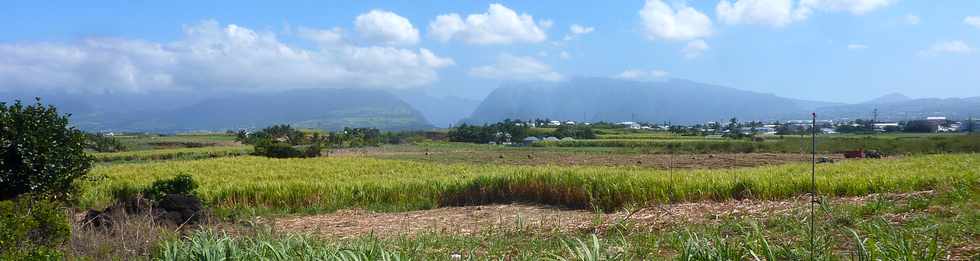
(180, 209)
(172, 209)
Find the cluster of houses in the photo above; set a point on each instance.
(934, 124)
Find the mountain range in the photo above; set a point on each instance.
(685, 102)
(576, 99)
(329, 109)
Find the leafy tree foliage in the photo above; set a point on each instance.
(102, 143)
(921, 126)
(32, 229)
(970, 126)
(356, 137)
(575, 131)
(276, 149)
(505, 131)
(734, 130)
(39, 152)
(278, 133)
(182, 184)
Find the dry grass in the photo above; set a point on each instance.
(130, 237)
(474, 220)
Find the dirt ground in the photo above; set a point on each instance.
(471, 220)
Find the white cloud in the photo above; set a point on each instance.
(856, 47)
(545, 23)
(499, 25)
(951, 47)
(576, 30)
(775, 13)
(856, 7)
(322, 37)
(642, 75)
(780, 13)
(972, 21)
(386, 28)
(211, 56)
(660, 21)
(564, 55)
(695, 48)
(521, 68)
(912, 19)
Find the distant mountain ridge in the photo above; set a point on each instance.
(686, 102)
(329, 109)
(952, 108)
(605, 99)
(578, 99)
(889, 98)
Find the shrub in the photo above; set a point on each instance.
(313, 151)
(41, 154)
(103, 143)
(275, 133)
(32, 229)
(277, 150)
(575, 132)
(182, 184)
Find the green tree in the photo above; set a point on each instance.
(102, 143)
(734, 131)
(40, 153)
(575, 131)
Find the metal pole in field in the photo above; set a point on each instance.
(813, 183)
(670, 173)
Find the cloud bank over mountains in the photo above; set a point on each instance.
(212, 55)
(382, 49)
(499, 25)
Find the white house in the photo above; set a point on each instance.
(631, 125)
(881, 126)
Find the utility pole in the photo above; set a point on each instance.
(972, 125)
(813, 185)
(874, 120)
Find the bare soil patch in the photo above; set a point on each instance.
(471, 220)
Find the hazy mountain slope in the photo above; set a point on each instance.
(889, 98)
(440, 111)
(603, 99)
(329, 109)
(953, 108)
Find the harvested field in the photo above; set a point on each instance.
(473, 220)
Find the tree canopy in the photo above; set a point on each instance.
(40, 153)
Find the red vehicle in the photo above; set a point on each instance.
(854, 154)
(860, 154)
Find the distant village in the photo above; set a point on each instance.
(934, 124)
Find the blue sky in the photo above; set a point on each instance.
(833, 50)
